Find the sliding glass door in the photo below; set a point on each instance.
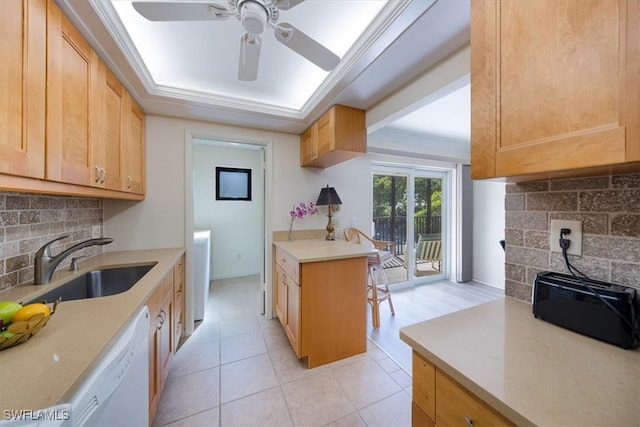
(410, 208)
(390, 219)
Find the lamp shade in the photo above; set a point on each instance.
(328, 196)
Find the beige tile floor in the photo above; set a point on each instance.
(238, 369)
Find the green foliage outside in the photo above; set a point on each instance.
(428, 194)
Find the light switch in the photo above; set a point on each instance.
(575, 247)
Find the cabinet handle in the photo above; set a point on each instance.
(97, 169)
(469, 421)
(129, 182)
(159, 322)
(102, 174)
(162, 317)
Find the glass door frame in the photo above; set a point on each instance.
(411, 172)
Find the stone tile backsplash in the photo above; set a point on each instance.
(27, 221)
(609, 208)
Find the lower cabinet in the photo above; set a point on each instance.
(160, 345)
(166, 309)
(440, 400)
(178, 302)
(322, 306)
(288, 306)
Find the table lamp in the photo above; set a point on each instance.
(329, 197)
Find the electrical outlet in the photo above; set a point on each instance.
(575, 247)
(95, 232)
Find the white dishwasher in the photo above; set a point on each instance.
(116, 393)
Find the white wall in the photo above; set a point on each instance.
(488, 230)
(158, 221)
(235, 225)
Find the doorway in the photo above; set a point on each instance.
(410, 209)
(238, 227)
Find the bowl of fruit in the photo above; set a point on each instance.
(18, 323)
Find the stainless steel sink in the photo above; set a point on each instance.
(98, 283)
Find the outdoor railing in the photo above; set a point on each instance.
(395, 229)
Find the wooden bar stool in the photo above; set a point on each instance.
(377, 284)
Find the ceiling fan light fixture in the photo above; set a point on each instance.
(253, 17)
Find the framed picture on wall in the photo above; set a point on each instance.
(233, 184)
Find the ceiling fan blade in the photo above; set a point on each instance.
(287, 4)
(163, 11)
(305, 46)
(249, 57)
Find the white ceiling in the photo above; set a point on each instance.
(189, 69)
(449, 116)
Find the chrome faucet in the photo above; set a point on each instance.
(45, 264)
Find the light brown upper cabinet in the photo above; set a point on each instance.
(22, 85)
(72, 103)
(554, 87)
(339, 135)
(309, 145)
(67, 125)
(133, 160)
(106, 143)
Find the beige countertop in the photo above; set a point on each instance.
(529, 370)
(48, 368)
(314, 250)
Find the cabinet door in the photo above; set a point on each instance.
(457, 406)
(154, 325)
(72, 104)
(326, 140)
(178, 302)
(22, 85)
(554, 85)
(281, 294)
(293, 316)
(108, 139)
(133, 160)
(309, 145)
(424, 385)
(165, 346)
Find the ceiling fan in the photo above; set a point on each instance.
(255, 16)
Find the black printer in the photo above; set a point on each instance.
(579, 304)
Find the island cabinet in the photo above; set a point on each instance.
(554, 87)
(339, 135)
(22, 85)
(321, 299)
(287, 301)
(440, 400)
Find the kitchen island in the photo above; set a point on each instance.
(320, 297)
(48, 368)
(519, 370)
